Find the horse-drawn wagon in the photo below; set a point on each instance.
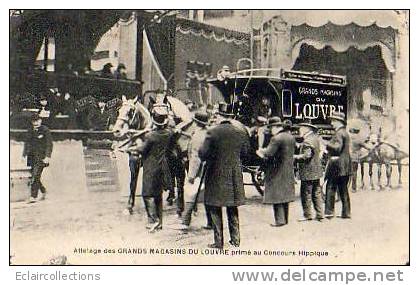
(292, 95)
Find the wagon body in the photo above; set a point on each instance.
(293, 95)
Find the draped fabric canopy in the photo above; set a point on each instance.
(365, 69)
(318, 18)
(341, 38)
(161, 39)
(218, 34)
(77, 33)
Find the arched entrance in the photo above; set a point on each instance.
(369, 80)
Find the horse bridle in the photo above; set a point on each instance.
(127, 120)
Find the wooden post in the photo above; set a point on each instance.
(139, 51)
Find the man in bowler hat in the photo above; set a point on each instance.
(279, 174)
(338, 169)
(310, 170)
(224, 147)
(195, 169)
(38, 150)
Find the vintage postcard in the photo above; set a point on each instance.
(208, 137)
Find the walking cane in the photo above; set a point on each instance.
(204, 170)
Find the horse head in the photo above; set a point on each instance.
(125, 119)
(132, 115)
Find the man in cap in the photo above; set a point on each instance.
(44, 108)
(38, 150)
(195, 168)
(223, 149)
(339, 168)
(310, 170)
(279, 174)
(157, 175)
(223, 73)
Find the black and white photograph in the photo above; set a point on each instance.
(209, 137)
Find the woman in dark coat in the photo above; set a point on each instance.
(279, 176)
(156, 177)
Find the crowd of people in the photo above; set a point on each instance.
(72, 107)
(217, 147)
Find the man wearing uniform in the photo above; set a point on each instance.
(339, 168)
(157, 175)
(279, 175)
(38, 150)
(223, 149)
(310, 170)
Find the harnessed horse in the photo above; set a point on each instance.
(370, 148)
(381, 152)
(133, 120)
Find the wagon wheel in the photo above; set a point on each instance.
(258, 180)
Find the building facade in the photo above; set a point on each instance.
(371, 48)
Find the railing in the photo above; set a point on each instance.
(77, 85)
(20, 135)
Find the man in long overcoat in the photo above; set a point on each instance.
(339, 168)
(157, 175)
(38, 150)
(223, 149)
(310, 170)
(279, 175)
(195, 168)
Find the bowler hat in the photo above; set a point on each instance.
(275, 121)
(307, 123)
(338, 116)
(201, 117)
(225, 109)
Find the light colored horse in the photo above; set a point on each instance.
(381, 152)
(133, 120)
(369, 147)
